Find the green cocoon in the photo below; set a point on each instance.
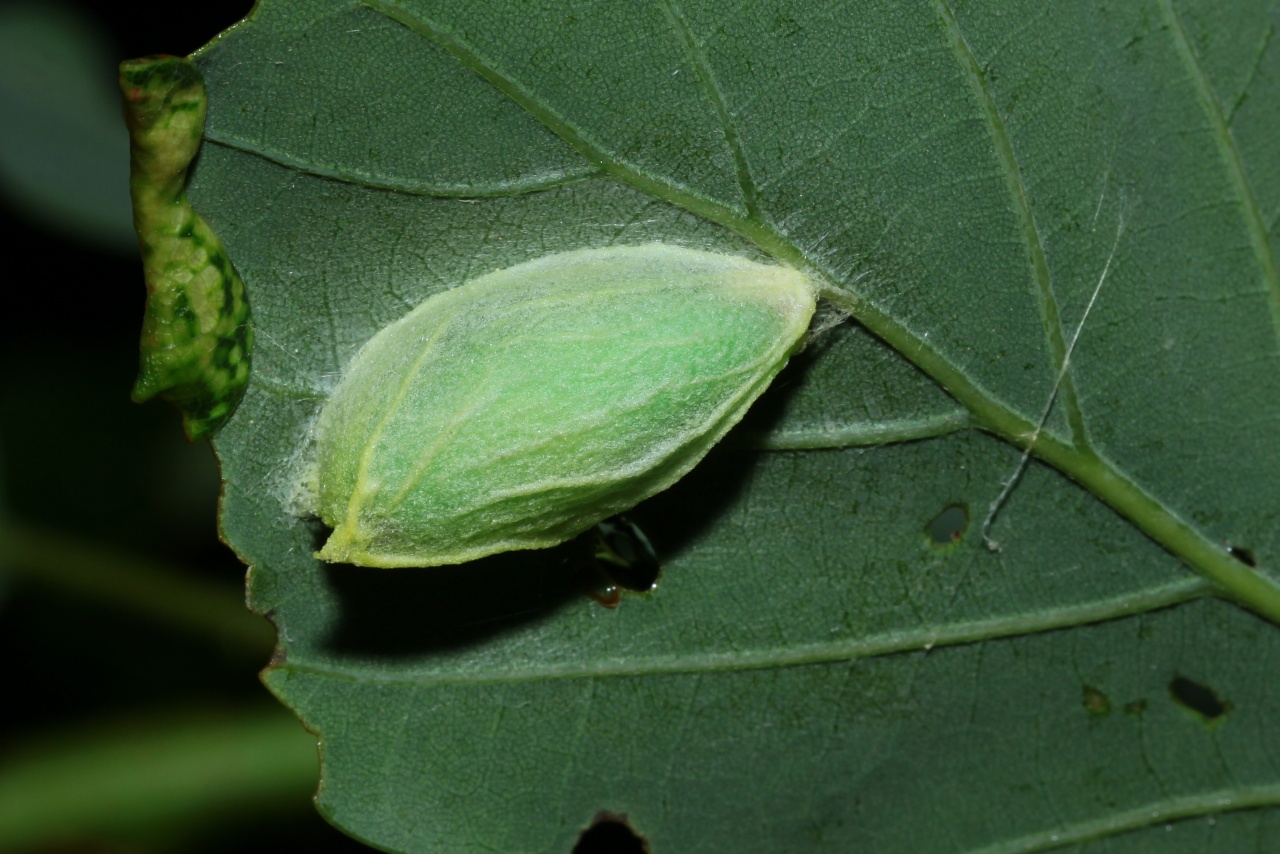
(520, 408)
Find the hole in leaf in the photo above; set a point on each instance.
(610, 833)
(1242, 554)
(949, 526)
(1197, 698)
(620, 557)
(320, 533)
(1096, 703)
(626, 555)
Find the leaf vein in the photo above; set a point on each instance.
(750, 194)
(923, 639)
(1147, 815)
(503, 189)
(1254, 222)
(1049, 311)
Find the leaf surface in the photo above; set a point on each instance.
(1020, 205)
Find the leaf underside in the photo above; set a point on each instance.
(819, 668)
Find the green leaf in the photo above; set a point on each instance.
(835, 657)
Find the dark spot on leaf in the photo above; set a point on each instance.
(1242, 554)
(1096, 703)
(610, 833)
(786, 27)
(1197, 698)
(949, 526)
(1136, 708)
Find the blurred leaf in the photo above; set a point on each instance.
(6, 560)
(64, 153)
(819, 668)
(133, 779)
(167, 594)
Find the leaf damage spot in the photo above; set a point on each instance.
(610, 833)
(1199, 699)
(1096, 702)
(949, 526)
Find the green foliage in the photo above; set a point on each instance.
(1028, 210)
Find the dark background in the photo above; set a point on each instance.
(80, 462)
